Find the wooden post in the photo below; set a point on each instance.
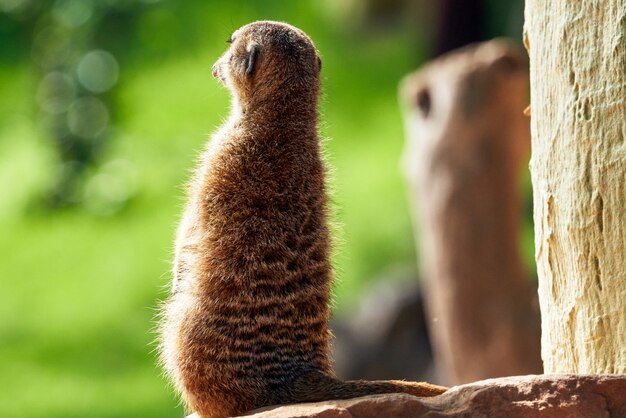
(467, 139)
(578, 94)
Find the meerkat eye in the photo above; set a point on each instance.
(230, 40)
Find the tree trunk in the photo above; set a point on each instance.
(578, 93)
(466, 142)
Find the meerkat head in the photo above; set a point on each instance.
(269, 61)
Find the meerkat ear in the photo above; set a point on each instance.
(319, 63)
(251, 61)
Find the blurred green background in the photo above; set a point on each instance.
(86, 237)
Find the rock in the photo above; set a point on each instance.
(534, 396)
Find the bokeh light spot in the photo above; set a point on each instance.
(98, 71)
(56, 92)
(13, 6)
(109, 190)
(51, 46)
(73, 13)
(87, 117)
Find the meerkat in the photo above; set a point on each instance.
(246, 325)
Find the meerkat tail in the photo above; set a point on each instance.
(318, 386)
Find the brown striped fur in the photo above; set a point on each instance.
(247, 323)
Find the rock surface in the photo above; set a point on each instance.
(534, 396)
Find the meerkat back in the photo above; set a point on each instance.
(246, 325)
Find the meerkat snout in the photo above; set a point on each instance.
(237, 64)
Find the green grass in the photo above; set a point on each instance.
(80, 290)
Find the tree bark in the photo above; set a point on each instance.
(578, 93)
(466, 141)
